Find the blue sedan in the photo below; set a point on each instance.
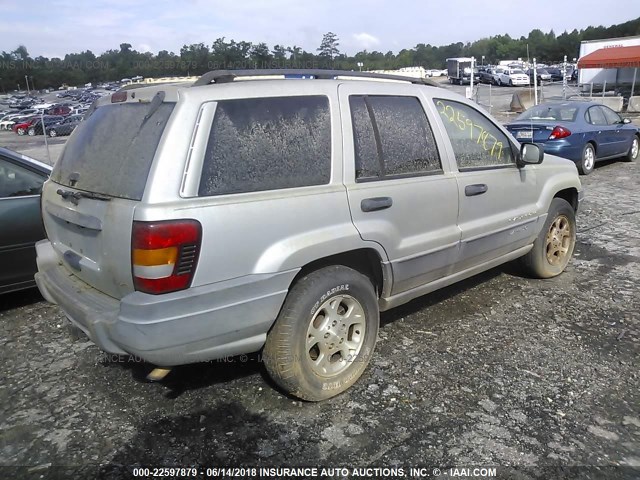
(584, 132)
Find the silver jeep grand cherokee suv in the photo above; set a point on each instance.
(253, 210)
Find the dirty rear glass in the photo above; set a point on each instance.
(267, 144)
(112, 150)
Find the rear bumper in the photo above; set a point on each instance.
(194, 325)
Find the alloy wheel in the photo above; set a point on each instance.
(335, 335)
(558, 241)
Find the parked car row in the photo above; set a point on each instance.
(500, 76)
(515, 76)
(54, 125)
(43, 117)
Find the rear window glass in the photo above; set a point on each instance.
(112, 150)
(267, 144)
(550, 112)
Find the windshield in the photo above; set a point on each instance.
(564, 113)
(111, 151)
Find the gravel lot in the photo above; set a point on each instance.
(499, 370)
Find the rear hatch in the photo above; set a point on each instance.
(530, 131)
(89, 202)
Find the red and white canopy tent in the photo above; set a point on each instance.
(616, 57)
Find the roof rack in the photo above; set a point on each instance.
(226, 76)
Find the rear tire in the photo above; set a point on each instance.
(633, 151)
(511, 83)
(31, 132)
(53, 133)
(554, 246)
(20, 131)
(325, 334)
(588, 160)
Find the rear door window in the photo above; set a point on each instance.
(392, 137)
(112, 150)
(262, 144)
(595, 116)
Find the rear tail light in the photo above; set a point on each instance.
(559, 132)
(164, 255)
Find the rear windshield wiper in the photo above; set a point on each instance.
(75, 196)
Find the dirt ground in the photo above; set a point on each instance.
(498, 371)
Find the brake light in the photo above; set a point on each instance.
(559, 132)
(164, 255)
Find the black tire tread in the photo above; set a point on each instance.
(628, 157)
(580, 166)
(287, 375)
(532, 263)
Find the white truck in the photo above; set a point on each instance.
(459, 70)
(598, 76)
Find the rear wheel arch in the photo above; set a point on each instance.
(364, 260)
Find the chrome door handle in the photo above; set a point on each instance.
(476, 189)
(375, 204)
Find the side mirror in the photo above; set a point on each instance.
(530, 154)
(626, 121)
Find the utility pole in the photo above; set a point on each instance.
(473, 60)
(535, 82)
(27, 80)
(564, 78)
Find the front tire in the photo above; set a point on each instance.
(20, 131)
(588, 160)
(31, 132)
(325, 334)
(633, 151)
(52, 133)
(553, 248)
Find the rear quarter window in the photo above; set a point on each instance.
(263, 144)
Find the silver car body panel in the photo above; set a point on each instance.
(254, 244)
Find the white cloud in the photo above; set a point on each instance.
(74, 26)
(366, 40)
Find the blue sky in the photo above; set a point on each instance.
(55, 27)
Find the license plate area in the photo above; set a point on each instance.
(528, 134)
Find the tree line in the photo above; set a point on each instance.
(198, 58)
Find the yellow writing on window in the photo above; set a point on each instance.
(476, 132)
